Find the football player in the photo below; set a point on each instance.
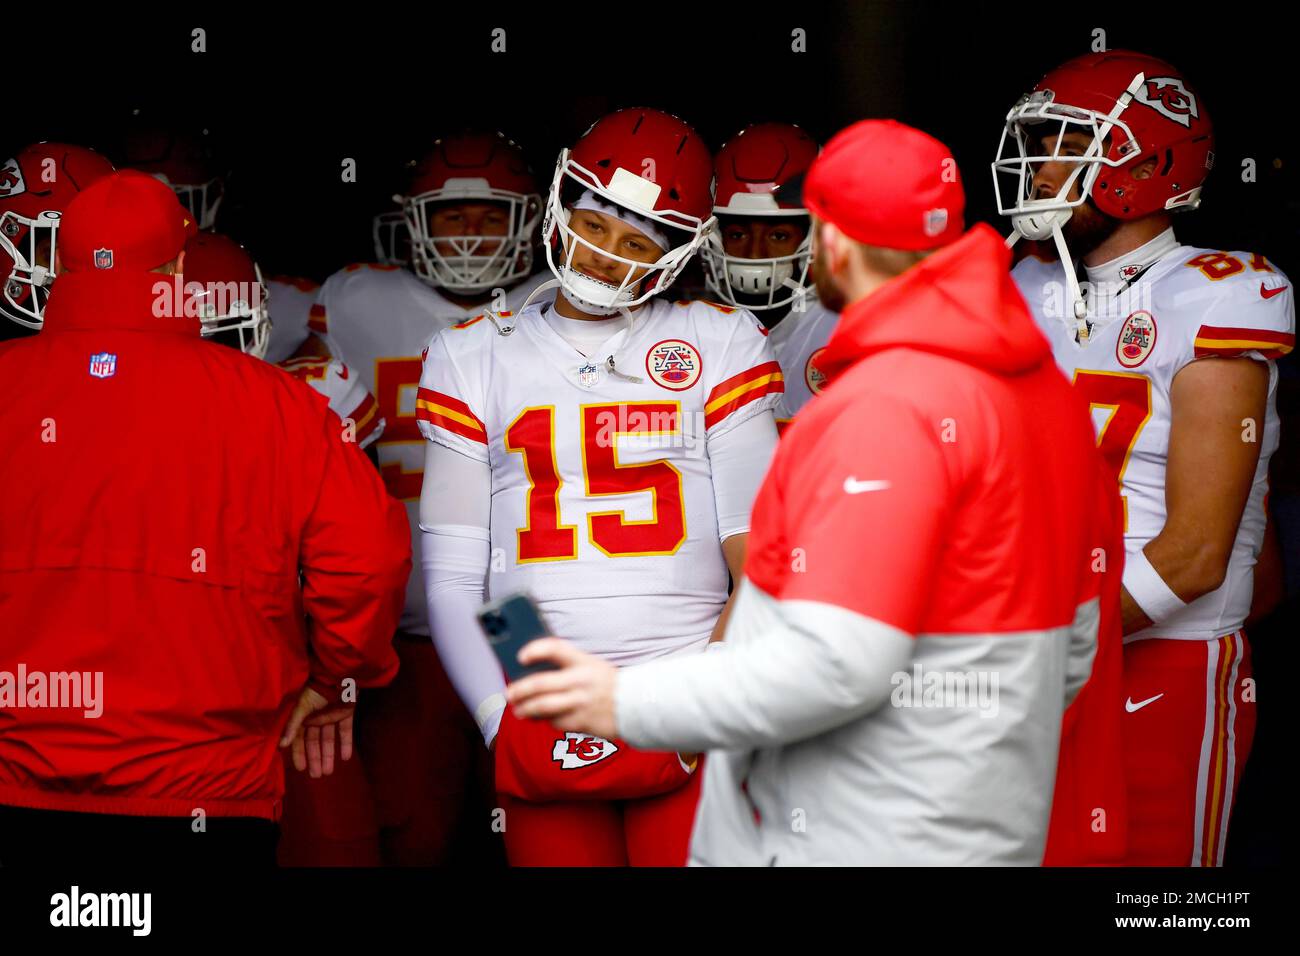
(472, 210)
(599, 451)
(234, 309)
(758, 258)
(35, 187)
(1174, 348)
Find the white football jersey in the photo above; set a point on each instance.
(603, 504)
(378, 319)
(289, 301)
(1188, 304)
(347, 395)
(797, 340)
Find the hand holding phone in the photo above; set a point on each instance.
(511, 622)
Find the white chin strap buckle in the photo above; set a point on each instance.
(1039, 225)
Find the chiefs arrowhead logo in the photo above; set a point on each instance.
(813, 377)
(574, 751)
(673, 364)
(1168, 96)
(11, 179)
(1137, 337)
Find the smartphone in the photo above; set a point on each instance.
(511, 622)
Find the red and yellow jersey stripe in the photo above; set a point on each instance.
(449, 413)
(1223, 340)
(366, 417)
(740, 390)
(316, 321)
(475, 319)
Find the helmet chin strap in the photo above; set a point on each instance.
(546, 286)
(609, 362)
(1039, 226)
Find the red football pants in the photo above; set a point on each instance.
(428, 769)
(577, 800)
(1187, 733)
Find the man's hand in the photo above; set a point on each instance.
(311, 733)
(579, 696)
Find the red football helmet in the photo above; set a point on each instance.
(1134, 108)
(184, 161)
(747, 170)
(645, 161)
(35, 189)
(473, 167)
(228, 291)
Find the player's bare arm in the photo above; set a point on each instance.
(1217, 415)
(733, 549)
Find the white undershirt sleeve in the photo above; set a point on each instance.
(455, 512)
(739, 458)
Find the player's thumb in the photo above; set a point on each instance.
(309, 701)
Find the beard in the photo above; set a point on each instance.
(828, 293)
(1088, 228)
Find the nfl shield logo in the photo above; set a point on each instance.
(936, 221)
(103, 258)
(589, 375)
(103, 364)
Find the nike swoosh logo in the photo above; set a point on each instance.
(1269, 293)
(854, 487)
(1131, 707)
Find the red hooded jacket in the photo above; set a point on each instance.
(1006, 517)
(160, 498)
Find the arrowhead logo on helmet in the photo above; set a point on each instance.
(11, 178)
(1168, 96)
